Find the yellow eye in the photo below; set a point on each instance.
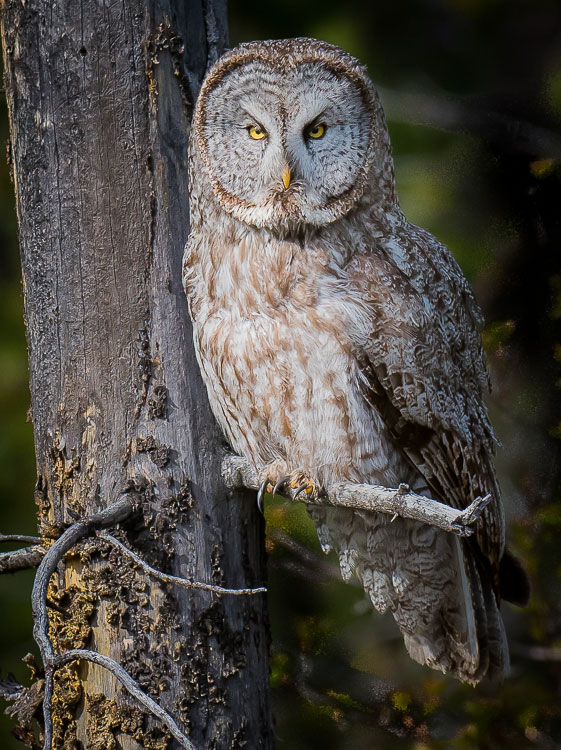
(318, 131)
(256, 132)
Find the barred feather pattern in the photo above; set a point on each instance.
(337, 339)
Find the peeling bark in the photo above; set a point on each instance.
(100, 98)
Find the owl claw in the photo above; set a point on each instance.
(260, 493)
(295, 486)
(281, 482)
(307, 487)
(303, 487)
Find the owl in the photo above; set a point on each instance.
(338, 342)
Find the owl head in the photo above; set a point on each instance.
(289, 134)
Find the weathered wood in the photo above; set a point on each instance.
(100, 98)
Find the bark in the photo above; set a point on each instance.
(21, 559)
(100, 98)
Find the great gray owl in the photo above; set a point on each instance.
(339, 342)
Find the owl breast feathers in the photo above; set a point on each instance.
(339, 342)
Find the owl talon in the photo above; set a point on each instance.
(260, 494)
(304, 487)
(307, 489)
(281, 482)
(295, 486)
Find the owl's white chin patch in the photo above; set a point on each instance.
(276, 219)
(286, 212)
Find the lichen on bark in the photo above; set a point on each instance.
(108, 721)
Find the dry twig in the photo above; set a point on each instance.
(112, 515)
(445, 113)
(22, 538)
(21, 559)
(536, 653)
(304, 562)
(237, 472)
(167, 578)
(129, 684)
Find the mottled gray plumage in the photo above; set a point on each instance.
(340, 342)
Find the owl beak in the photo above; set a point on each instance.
(286, 176)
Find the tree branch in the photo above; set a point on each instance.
(536, 653)
(21, 559)
(128, 683)
(237, 472)
(21, 538)
(167, 578)
(445, 113)
(112, 515)
(308, 564)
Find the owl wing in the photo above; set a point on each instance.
(424, 370)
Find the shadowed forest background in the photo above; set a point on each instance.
(472, 93)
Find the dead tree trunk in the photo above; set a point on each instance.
(100, 97)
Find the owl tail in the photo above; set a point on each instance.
(435, 588)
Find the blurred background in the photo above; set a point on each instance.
(472, 94)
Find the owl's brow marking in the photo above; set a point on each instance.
(283, 114)
(315, 121)
(254, 120)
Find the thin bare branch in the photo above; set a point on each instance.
(237, 472)
(129, 684)
(406, 504)
(10, 688)
(536, 653)
(167, 578)
(309, 565)
(21, 559)
(19, 538)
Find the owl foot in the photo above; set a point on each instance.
(296, 486)
(299, 486)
